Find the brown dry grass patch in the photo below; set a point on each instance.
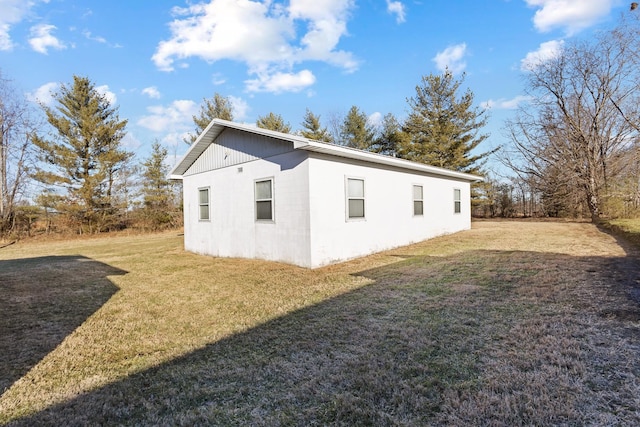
(510, 323)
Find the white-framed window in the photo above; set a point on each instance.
(418, 201)
(264, 199)
(203, 204)
(457, 200)
(355, 198)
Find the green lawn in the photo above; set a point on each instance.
(510, 323)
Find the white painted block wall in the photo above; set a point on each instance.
(232, 230)
(310, 226)
(389, 220)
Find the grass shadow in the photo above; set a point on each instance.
(625, 270)
(42, 300)
(482, 337)
(627, 239)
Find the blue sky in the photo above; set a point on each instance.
(158, 59)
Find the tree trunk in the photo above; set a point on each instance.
(593, 201)
(3, 180)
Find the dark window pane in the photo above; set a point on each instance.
(263, 210)
(417, 208)
(356, 208)
(204, 211)
(456, 207)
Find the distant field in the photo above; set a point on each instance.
(510, 323)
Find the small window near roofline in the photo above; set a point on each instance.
(418, 201)
(457, 201)
(203, 204)
(264, 200)
(355, 198)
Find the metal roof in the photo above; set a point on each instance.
(217, 126)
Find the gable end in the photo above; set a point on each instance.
(234, 147)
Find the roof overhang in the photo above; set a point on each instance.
(217, 126)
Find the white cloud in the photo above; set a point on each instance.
(90, 36)
(396, 8)
(545, 52)
(239, 107)
(109, 96)
(375, 119)
(570, 15)
(175, 118)
(174, 139)
(130, 142)
(41, 38)
(226, 29)
(281, 82)
(505, 104)
(452, 58)
(5, 39)
(11, 13)
(218, 79)
(99, 39)
(175, 121)
(151, 92)
(44, 94)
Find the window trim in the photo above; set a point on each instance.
(348, 198)
(271, 199)
(457, 203)
(207, 204)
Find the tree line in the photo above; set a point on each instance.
(77, 176)
(575, 146)
(443, 127)
(83, 180)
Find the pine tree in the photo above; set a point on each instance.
(313, 130)
(273, 122)
(390, 136)
(356, 132)
(85, 154)
(157, 192)
(443, 128)
(218, 107)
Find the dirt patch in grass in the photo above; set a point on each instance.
(510, 323)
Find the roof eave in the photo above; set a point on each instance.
(217, 126)
(214, 129)
(355, 154)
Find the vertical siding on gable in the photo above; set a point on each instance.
(234, 147)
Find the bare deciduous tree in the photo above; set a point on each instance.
(584, 113)
(16, 126)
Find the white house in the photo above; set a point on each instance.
(255, 193)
